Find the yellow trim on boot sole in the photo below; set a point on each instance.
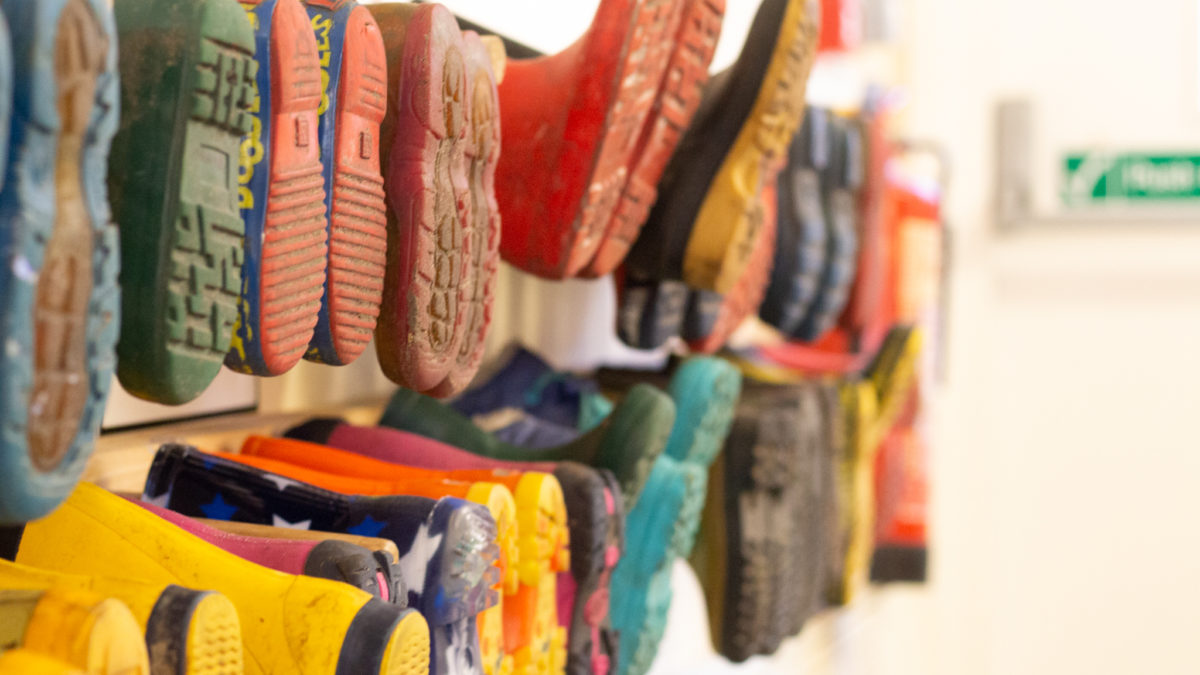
(723, 235)
(503, 507)
(407, 652)
(544, 545)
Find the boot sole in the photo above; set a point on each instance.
(354, 105)
(60, 287)
(744, 299)
(482, 237)
(281, 196)
(422, 322)
(723, 232)
(175, 191)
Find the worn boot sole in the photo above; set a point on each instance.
(354, 101)
(571, 123)
(174, 186)
(59, 279)
(482, 239)
(719, 247)
(679, 95)
(422, 324)
(744, 299)
(841, 207)
(801, 235)
(281, 196)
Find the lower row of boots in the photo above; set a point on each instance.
(528, 527)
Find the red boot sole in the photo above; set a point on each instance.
(292, 262)
(482, 239)
(357, 212)
(422, 322)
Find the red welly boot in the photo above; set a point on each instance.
(679, 95)
(572, 122)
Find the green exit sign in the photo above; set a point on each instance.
(1138, 177)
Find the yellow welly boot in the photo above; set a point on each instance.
(290, 624)
(86, 631)
(25, 662)
(189, 632)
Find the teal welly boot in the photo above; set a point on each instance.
(58, 279)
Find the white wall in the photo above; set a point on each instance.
(1066, 470)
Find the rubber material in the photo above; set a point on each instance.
(193, 632)
(650, 311)
(535, 523)
(58, 274)
(872, 407)
(426, 141)
(328, 559)
(482, 237)
(705, 391)
(597, 523)
(801, 235)
(95, 532)
(626, 443)
(81, 629)
(174, 184)
(280, 195)
(187, 632)
(353, 104)
(702, 234)
(840, 185)
(892, 564)
(590, 512)
(693, 46)
(350, 473)
(744, 299)
(335, 470)
(523, 380)
(407, 651)
(26, 662)
(718, 249)
(6, 92)
(572, 122)
(652, 524)
(384, 549)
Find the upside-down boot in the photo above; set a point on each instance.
(59, 268)
(187, 84)
(353, 104)
(571, 123)
(703, 228)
